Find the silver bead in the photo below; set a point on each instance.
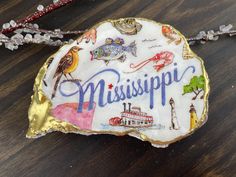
(28, 37)
(18, 31)
(13, 23)
(38, 38)
(17, 39)
(11, 46)
(71, 41)
(6, 25)
(226, 28)
(36, 26)
(40, 7)
(46, 37)
(57, 30)
(3, 36)
(55, 1)
(17, 36)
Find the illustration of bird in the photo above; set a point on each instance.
(67, 65)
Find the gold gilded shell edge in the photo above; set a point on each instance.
(41, 123)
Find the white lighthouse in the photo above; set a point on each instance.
(174, 121)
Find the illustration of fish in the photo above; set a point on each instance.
(113, 50)
(170, 34)
(127, 26)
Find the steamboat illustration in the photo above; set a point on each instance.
(132, 117)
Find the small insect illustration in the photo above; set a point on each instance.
(113, 50)
(170, 34)
(160, 60)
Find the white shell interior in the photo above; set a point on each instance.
(149, 41)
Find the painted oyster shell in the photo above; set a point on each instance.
(142, 80)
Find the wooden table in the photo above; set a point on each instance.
(211, 151)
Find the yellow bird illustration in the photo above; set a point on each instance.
(67, 65)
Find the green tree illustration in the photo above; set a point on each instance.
(196, 85)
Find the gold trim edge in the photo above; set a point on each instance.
(41, 123)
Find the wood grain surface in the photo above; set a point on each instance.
(211, 151)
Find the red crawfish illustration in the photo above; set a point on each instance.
(160, 60)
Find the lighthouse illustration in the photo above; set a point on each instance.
(193, 118)
(174, 120)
